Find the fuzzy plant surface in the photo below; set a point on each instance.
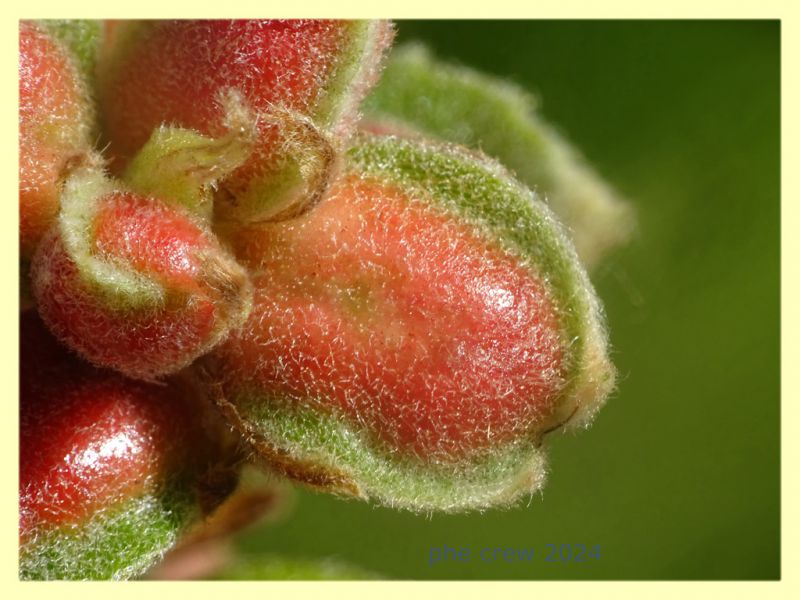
(56, 123)
(112, 470)
(222, 268)
(420, 95)
(415, 336)
(303, 78)
(133, 283)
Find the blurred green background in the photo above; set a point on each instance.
(679, 476)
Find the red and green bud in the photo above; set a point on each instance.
(302, 80)
(419, 95)
(134, 283)
(415, 336)
(112, 470)
(55, 120)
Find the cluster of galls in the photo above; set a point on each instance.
(381, 316)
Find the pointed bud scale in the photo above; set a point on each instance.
(421, 95)
(416, 335)
(55, 123)
(111, 470)
(184, 167)
(301, 79)
(133, 283)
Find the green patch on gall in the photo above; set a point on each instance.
(119, 542)
(420, 95)
(330, 454)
